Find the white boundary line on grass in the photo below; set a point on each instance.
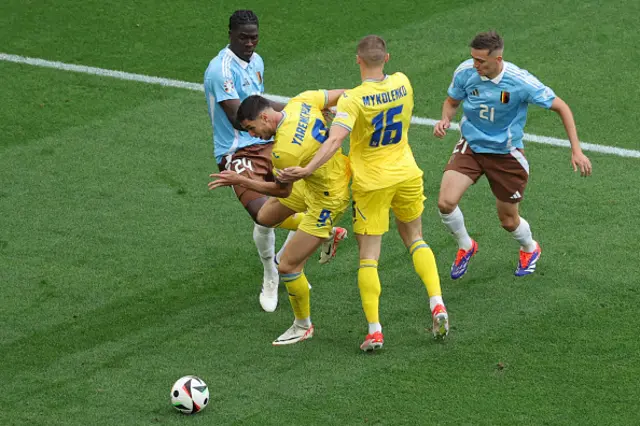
(199, 87)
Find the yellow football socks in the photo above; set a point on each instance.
(298, 289)
(424, 262)
(369, 285)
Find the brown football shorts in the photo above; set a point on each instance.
(507, 174)
(253, 161)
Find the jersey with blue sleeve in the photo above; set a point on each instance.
(495, 110)
(229, 77)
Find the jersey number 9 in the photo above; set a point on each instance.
(325, 215)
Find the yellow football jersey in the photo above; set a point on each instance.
(378, 114)
(299, 136)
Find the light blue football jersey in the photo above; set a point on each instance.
(495, 110)
(229, 77)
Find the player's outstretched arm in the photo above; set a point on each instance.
(329, 110)
(229, 178)
(449, 109)
(333, 96)
(337, 134)
(579, 161)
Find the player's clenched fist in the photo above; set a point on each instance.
(441, 128)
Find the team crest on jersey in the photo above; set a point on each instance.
(259, 77)
(504, 97)
(475, 92)
(228, 86)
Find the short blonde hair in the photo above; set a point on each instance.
(372, 49)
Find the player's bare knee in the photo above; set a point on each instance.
(509, 222)
(446, 206)
(254, 207)
(286, 268)
(262, 219)
(259, 219)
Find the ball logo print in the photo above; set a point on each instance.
(228, 86)
(189, 395)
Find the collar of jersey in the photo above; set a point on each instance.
(371, 80)
(498, 78)
(284, 116)
(244, 64)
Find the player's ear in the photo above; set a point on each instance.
(386, 58)
(358, 60)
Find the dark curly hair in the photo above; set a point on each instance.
(242, 17)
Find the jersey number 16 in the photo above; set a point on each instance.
(392, 130)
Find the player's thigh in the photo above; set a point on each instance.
(507, 174)
(452, 187)
(371, 211)
(297, 251)
(462, 171)
(273, 212)
(408, 200)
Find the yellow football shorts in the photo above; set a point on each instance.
(371, 208)
(322, 212)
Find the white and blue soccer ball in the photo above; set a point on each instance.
(189, 395)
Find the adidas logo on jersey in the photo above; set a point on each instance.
(516, 195)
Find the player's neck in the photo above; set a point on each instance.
(497, 73)
(372, 74)
(276, 117)
(240, 55)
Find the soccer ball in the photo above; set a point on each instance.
(189, 395)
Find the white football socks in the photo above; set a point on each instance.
(454, 221)
(435, 301)
(265, 240)
(304, 323)
(522, 234)
(375, 326)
